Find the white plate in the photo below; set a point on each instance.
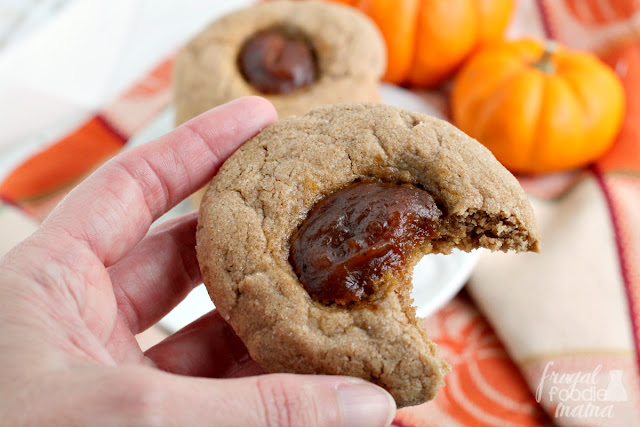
(436, 278)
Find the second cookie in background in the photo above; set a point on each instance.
(298, 55)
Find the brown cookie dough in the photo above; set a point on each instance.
(346, 46)
(262, 196)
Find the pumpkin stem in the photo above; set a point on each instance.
(545, 63)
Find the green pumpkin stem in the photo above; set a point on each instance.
(545, 63)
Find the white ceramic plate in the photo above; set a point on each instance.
(436, 278)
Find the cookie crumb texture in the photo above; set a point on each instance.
(263, 193)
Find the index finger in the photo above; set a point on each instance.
(113, 209)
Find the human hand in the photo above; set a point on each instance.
(74, 294)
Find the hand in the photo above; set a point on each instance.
(74, 294)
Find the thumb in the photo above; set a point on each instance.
(271, 400)
(296, 400)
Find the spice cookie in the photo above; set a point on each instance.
(308, 235)
(298, 55)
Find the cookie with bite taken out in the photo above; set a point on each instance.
(308, 235)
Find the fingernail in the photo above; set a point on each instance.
(365, 405)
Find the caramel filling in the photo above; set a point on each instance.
(278, 61)
(355, 235)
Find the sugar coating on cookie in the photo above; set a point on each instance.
(347, 47)
(262, 195)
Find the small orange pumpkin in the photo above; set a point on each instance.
(427, 40)
(537, 109)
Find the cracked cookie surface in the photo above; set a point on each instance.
(263, 193)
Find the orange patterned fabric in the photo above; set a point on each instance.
(63, 163)
(599, 13)
(484, 387)
(564, 324)
(43, 179)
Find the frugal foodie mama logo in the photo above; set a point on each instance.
(581, 394)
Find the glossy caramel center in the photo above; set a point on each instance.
(355, 235)
(277, 61)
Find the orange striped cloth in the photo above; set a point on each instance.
(533, 339)
(43, 179)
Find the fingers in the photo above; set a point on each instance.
(113, 209)
(270, 400)
(207, 347)
(157, 274)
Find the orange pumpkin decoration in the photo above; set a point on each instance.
(537, 109)
(599, 12)
(427, 40)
